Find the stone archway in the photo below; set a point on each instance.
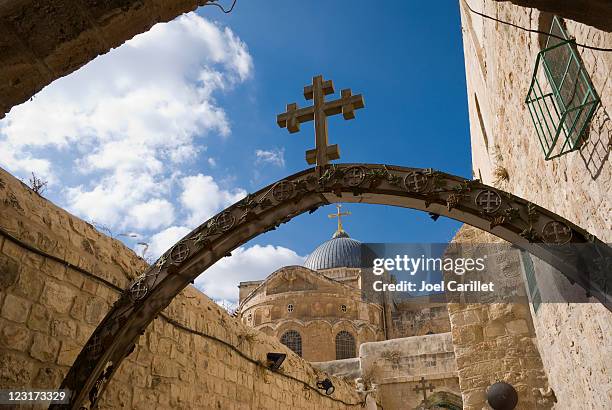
(505, 215)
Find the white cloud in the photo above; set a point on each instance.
(127, 124)
(162, 241)
(220, 281)
(203, 197)
(274, 156)
(154, 214)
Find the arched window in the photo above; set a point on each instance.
(293, 341)
(345, 345)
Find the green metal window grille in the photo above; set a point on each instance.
(561, 97)
(532, 284)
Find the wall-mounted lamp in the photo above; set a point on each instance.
(326, 385)
(275, 360)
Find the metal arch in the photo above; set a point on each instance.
(511, 218)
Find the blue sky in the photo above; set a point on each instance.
(406, 58)
(163, 132)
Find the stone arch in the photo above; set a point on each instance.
(511, 218)
(443, 400)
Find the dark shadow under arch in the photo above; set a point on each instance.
(516, 220)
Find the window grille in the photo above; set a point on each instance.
(290, 308)
(343, 308)
(345, 345)
(561, 97)
(293, 341)
(532, 284)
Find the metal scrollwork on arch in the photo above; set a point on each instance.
(507, 216)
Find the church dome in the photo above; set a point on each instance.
(339, 252)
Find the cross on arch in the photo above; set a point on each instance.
(557, 232)
(319, 111)
(488, 200)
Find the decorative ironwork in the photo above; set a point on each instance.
(506, 216)
(416, 182)
(200, 239)
(354, 176)
(161, 262)
(94, 347)
(557, 233)
(530, 234)
(282, 191)
(225, 221)
(488, 200)
(179, 253)
(139, 289)
(453, 200)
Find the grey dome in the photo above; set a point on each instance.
(339, 252)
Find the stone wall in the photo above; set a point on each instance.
(496, 341)
(58, 278)
(573, 339)
(396, 367)
(417, 318)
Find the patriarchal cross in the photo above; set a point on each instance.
(319, 111)
(424, 388)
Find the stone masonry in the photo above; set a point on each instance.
(573, 339)
(496, 342)
(193, 356)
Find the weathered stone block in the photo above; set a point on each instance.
(517, 327)
(49, 378)
(44, 348)
(79, 306)
(63, 328)
(39, 318)
(89, 286)
(95, 310)
(12, 250)
(30, 283)
(15, 337)
(53, 269)
(15, 370)
(163, 367)
(9, 272)
(15, 308)
(57, 297)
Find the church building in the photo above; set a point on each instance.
(319, 310)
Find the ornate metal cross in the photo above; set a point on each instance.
(319, 111)
(424, 388)
(339, 215)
